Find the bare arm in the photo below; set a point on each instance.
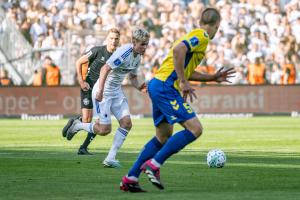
(197, 76)
(220, 76)
(135, 83)
(82, 60)
(179, 53)
(102, 78)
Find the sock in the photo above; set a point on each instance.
(89, 138)
(118, 141)
(175, 143)
(132, 178)
(149, 150)
(155, 163)
(84, 126)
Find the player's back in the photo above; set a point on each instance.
(196, 42)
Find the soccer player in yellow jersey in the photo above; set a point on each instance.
(168, 91)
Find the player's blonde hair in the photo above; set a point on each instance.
(140, 34)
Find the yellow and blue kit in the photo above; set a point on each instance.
(167, 102)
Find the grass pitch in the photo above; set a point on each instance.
(263, 162)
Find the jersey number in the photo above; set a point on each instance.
(188, 107)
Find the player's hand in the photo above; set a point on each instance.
(84, 86)
(187, 90)
(143, 88)
(223, 75)
(99, 96)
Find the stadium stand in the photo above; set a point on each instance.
(268, 30)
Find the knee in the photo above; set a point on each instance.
(197, 130)
(126, 124)
(163, 132)
(102, 130)
(163, 138)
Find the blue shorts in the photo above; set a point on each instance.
(167, 104)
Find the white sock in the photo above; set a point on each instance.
(119, 139)
(155, 163)
(133, 178)
(84, 126)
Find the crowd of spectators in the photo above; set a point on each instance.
(260, 39)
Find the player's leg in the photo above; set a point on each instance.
(87, 116)
(130, 181)
(68, 125)
(100, 127)
(193, 130)
(86, 103)
(120, 110)
(163, 132)
(119, 137)
(174, 110)
(152, 146)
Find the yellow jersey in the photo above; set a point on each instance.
(196, 42)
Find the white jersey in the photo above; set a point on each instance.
(122, 62)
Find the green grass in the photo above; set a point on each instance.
(263, 162)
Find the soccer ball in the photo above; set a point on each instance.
(216, 158)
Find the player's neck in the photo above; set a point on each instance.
(135, 54)
(110, 50)
(206, 28)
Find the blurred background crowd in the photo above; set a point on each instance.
(260, 39)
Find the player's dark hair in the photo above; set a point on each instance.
(210, 16)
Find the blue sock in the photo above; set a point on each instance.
(175, 143)
(150, 149)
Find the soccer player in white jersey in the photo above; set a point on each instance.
(108, 96)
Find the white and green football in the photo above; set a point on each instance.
(216, 158)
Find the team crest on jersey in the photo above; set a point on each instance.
(117, 62)
(86, 101)
(194, 41)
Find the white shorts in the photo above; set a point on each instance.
(118, 106)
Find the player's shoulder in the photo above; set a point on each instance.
(126, 47)
(91, 48)
(99, 48)
(124, 50)
(199, 33)
(197, 38)
(87, 50)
